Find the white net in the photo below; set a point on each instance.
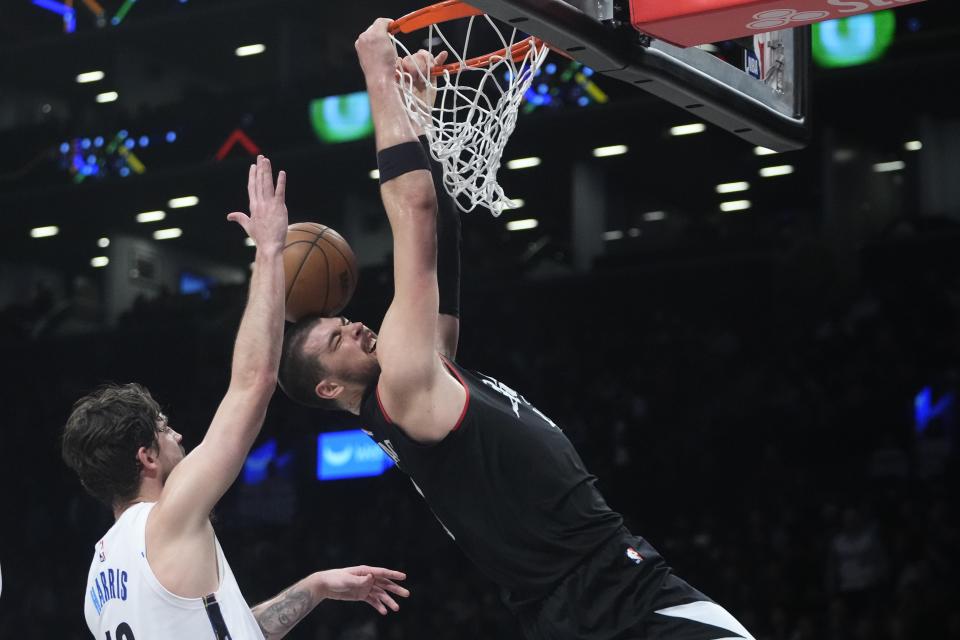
(474, 112)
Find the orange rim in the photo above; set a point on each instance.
(454, 10)
(434, 14)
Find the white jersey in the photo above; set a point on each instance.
(125, 601)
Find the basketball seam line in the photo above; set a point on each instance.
(293, 280)
(345, 261)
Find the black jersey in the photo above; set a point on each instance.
(506, 484)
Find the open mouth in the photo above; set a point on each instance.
(372, 344)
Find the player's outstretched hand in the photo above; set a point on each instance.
(418, 65)
(376, 52)
(267, 222)
(372, 585)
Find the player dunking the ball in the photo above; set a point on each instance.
(502, 478)
(159, 572)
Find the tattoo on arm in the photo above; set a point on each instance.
(278, 616)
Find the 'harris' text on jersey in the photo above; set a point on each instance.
(108, 585)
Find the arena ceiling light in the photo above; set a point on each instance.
(886, 167)
(151, 216)
(249, 242)
(735, 205)
(763, 151)
(523, 163)
(913, 145)
(107, 96)
(99, 261)
(250, 50)
(654, 216)
(517, 203)
(374, 174)
(773, 172)
(616, 234)
(103, 242)
(185, 201)
(612, 150)
(90, 76)
(167, 234)
(688, 129)
(44, 232)
(732, 187)
(633, 232)
(522, 225)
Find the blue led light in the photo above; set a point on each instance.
(130, 143)
(124, 171)
(542, 88)
(583, 101)
(349, 454)
(65, 147)
(91, 159)
(98, 141)
(551, 68)
(122, 134)
(85, 143)
(144, 141)
(587, 71)
(171, 136)
(914, 25)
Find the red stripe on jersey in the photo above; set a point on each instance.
(380, 404)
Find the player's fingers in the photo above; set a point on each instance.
(240, 218)
(440, 59)
(385, 598)
(266, 180)
(281, 192)
(387, 585)
(252, 183)
(380, 572)
(376, 604)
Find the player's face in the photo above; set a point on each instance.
(168, 442)
(347, 350)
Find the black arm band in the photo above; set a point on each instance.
(448, 242)
(399, 159)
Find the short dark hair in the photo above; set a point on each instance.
(300, 371)
(102, 436)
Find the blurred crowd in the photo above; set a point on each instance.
(757, 420)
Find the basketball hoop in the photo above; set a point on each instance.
(477, 100)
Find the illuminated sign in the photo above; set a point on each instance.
(852, 41)
(349, 454)
(257, 465)
(342, 118)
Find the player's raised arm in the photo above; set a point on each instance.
(418, 65)
(407, 346)
(178, 530)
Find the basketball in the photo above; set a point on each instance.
(320, 271)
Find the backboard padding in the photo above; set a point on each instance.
(692, 79)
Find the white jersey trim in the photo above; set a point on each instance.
(168, 596)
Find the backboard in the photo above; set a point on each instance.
(763, 101)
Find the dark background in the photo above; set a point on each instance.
(744, 384)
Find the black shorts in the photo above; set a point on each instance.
(625, 591)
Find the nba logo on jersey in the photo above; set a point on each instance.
(101, 552)
(634, 556)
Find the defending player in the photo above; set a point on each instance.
(159, 572)
(501, 477)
